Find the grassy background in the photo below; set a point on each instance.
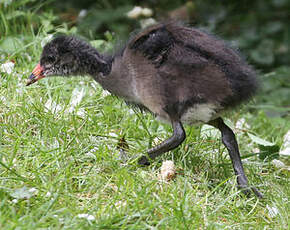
(59, 160)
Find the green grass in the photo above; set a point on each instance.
(74, 158)
(71, 159)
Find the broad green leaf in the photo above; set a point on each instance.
(260, 141)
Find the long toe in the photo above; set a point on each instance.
(143, 161)
(248, 191)
(245, 190)
(257, 193)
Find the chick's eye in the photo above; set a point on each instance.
(50, 59)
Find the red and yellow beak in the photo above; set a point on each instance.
(36, 75)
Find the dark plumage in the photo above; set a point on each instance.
(180, 74)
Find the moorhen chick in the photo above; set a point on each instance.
(181, 74)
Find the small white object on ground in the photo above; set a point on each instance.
(273, 211)
(167, 171)
(242, 124)
(7, 67)
(76, 98)
(33, 191)
(48, 194)
(86, 216)
(120, 204)
(278, 163)
(24, 193)
(52, 106)
(256, 150)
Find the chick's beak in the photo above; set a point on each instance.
(36, 75)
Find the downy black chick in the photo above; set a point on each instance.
(181, 74)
